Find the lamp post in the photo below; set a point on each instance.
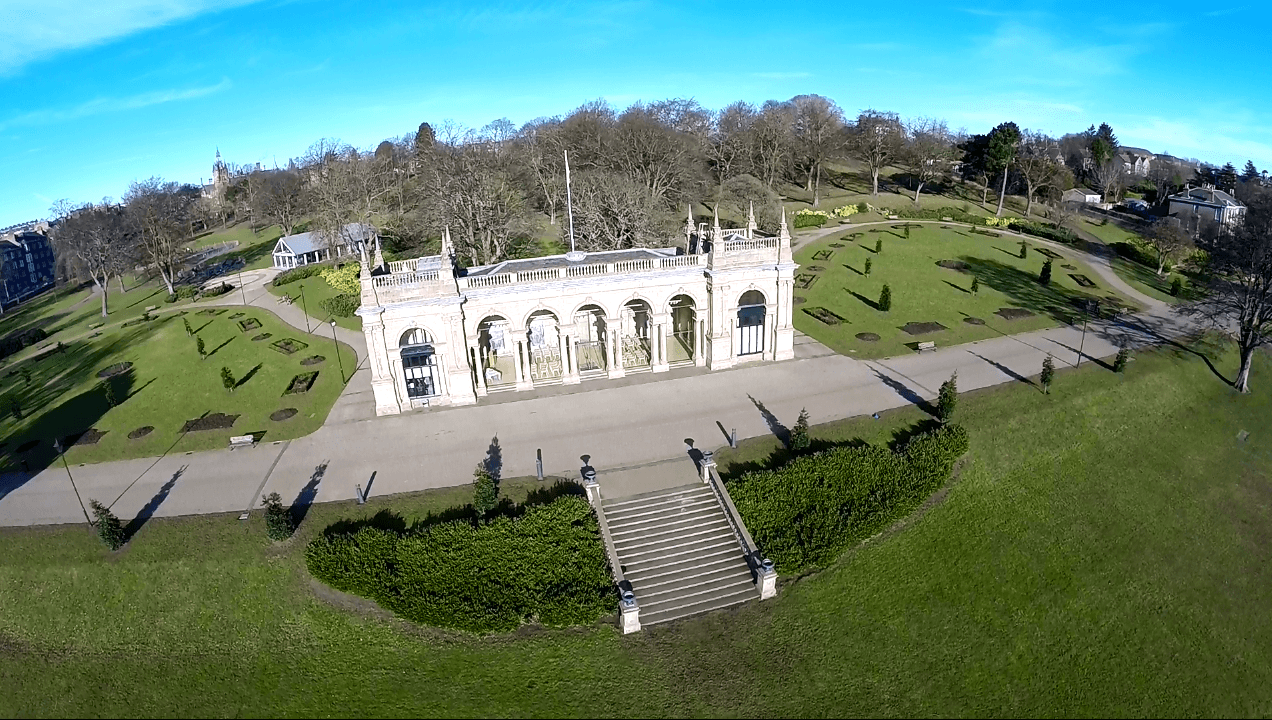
(336, 342)
(304, 308)
(1086, 313)
(57, 445)
(242, 289)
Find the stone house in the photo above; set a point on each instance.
(1196, 204)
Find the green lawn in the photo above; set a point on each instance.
(168, 385)
(1139, 276)
(924, 292)
(315, 291)
(1102, 552)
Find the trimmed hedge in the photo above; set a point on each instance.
(300, 273)
(17, 341)
(806, 512)
(342, 305)
(1043, 230)
(546, 565)
(1028, 227)
(217, 291)
(810, 219)
(953, 213)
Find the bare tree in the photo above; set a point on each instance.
(282, 199)
(97, 237)
(542, 155)
(771, 141)
(1240, 290)
(728, 142)
(588, 133)
(1165, 175)
(876, 140)
(162, 214)
(817, 126)
(1168, 239)
(929, 152)
(475, 194)
(653, 153)
(612, 212)
(1039, 165)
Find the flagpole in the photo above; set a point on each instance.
(569, 203)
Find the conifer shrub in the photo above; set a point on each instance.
(278, 522)
(885, 299)
(109, 529)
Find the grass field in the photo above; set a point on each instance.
(924, 292)
(315, 291)
(1139, 276)
(1102, 552)
(167, 386)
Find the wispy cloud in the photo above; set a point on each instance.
(1051, 58)
(1187, 139)
(781, 75)
(32, 30)
(101, 105)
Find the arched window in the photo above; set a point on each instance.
(750, 335)
(418, 363)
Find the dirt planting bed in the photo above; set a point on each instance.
(313, 360)
(823, 254)
(1013, 313)
(1082, 280)
(141, 432)
(262, 336)
(283, 414)
(973, 321)
(90, 436)
(288, 346)
(1052, 254)
(301, 383)
(868, 337)
(922, 328)
(799, 300)
(249, 324)
(958, 265)
(803, 281)
(824, 315)
(211, 421)
(113, 370)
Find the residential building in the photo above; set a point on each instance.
(1136, 161)
(27, 263)
(1205, 203)
(1081, 195)
(310, 247)
(438, 334)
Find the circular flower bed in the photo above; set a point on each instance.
(113, 370)
(868, 337)
(313, 360)
(973, 321)
(141, 432)
(284, 414)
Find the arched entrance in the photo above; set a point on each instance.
(592, 335)
(498, 352)
(544, 333)
(419, 365)
(750, 332)
(636, 332)
(682, 341)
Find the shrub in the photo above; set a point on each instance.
(1050, 232)
(1119, 362)
(868, 264)
(1177, 286)
(799, 433)
(806, 512)
(342, 305)
(947, 399)
(485, 491)
(227, 379)
(1048, 373)
(198, 345)
(109, 529)
(810, 218)
(300, 273)
(15, 410)
(1044, 276)
(344, 278)
(885, 299)
(975, 285)
(1024, 249)
(219, 290)
(189, 330)
(109, 390)
(278, 522)
(17, 341)
(546, 564)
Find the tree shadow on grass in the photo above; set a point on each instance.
(1025, 291)
(781, 455)
(867, 301)
(134, 526)
(958, 287)
(849, 267)
(218, 347)
(144, 299)
(248, 376)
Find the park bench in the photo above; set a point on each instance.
(239, 441)
(288, 299)
(151, 307)
(925, 346)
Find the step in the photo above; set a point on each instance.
(645, 514)
(691, 590)
(689, 561)
(653, 518)
(668, 614)
(648, 524)
(660, 505)
(671, 531)
(650, 589)
(701, 536)
(649, 561)
(653, 495)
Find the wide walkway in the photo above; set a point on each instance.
(629, 430)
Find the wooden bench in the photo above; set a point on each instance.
(288, 299)
(925, 346)
(151, 307)
(239, 441)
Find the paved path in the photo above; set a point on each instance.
(624, 426)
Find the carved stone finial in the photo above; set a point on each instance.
(750, 222)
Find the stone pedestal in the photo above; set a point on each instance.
(766, 581)
(629, 616)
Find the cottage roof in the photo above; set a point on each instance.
(1134, 151)
(308, 242)
(1081, 191)
(1207, 196)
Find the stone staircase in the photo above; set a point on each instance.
(679, 552)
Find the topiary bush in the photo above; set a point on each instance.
(885, 299)
(342, 305)
(947, 399)
(109, 529)
(546, 564)
(799, 434)
(278, 522)
(811, 218)
(1044, 276)
(1119, 362)
(806, 512)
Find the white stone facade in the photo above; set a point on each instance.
(440, 335)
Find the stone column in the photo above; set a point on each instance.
(571, 360)
(458, 384)
(475, 352)
(658, 351)
(561, 352)
(699, 333)
(383, 385)
(614, 339)
(516, 361)
(525, 382)
(769, 342)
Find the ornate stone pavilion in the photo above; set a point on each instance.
(439, 334)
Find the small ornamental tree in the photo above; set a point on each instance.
(198, 344)
(278, 522)
(60, 347)
(799, 434)
(1048, 372)
(1119, 362)
(485, 491)
(975, 285)
(947, 398)
(109, 529)
(16, 410)
(227, 379)
(189, 330)
(1044, 277)
(878, 246)
(868, 264)
(1177, 286)
(26, 376)
(885, 299)
(109, 391)
(1024, 249)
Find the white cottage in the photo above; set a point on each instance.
(310, 247)
(442, 335)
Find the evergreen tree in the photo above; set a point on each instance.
(975, 285)
(109, 391)
(885, 299)
(1226, 178)
(947, 398)
(1119, 362)
(109, 529)
(799, 433)
(16, 410)
(878, 246)
(1250, 172)
(1048, 372)
(198, 344)
(868, 264)
(1024, 249)
(485, 491)
(26, 376)
(278, 522)
(1044, 277)
(1177, 286)
(189, 330)
(227, 379)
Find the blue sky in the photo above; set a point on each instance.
(98, 94)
